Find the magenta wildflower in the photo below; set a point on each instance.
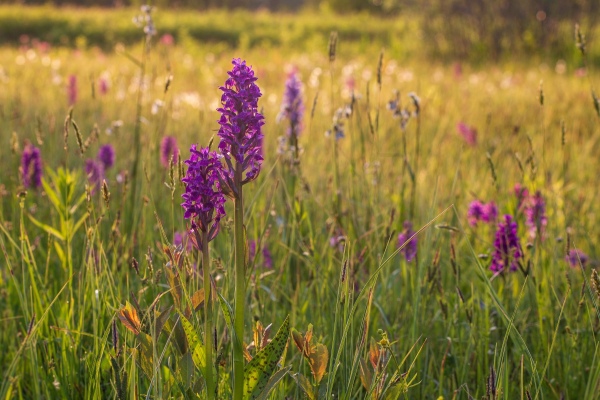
(410, 249)
(106, 155)
(575, 256)
(103, 86)
(484, 212)
(167, 39)
(469, 133)
(203, 200)
(535, 216)
(168, 149)
(507, 247)
(475, 212)
(490, 212)
(292, 107)
(31, 167)
(94, 171)
(72, 90)
(240, 131)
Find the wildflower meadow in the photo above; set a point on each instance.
(329, 216)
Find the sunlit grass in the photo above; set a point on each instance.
(439, 323)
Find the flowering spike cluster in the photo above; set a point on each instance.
(410, 250)
(106, 156)
(168, 149)
(575, 256)
(31, 167)
(94, 170)
(240, 131)
(485, 212)
(507, 247)
(490, 212)
(292, 107)
(475, 212)
(203, 199)
(535, 215)
(468, 133)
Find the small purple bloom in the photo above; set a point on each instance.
(31, 167)
(292, 107)
(168, 149)
(251, 250)
(475, 212)
(181, 239)
(95, 173)
(106, 155)
(240, 131)
(522, 195)
(490, 212)
(410, 250)
(72, 90)
(103, 86)
(203, 200)
(575, 257)
(535, 215)
(267, 257)
(469, 133)
(507, 247)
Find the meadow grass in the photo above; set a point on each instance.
(440, 325)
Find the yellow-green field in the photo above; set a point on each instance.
(442, 325)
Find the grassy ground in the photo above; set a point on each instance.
(451, 322)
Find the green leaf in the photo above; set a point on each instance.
(145, 353)
(305, 385)
(194, 344)
(160, 319)
(60, 252)
(51, 194)
(258, 371)
(50, 230)
(79, 223)
(186, 369)
(227, 313)
(277, 376)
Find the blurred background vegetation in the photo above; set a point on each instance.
(470, 30)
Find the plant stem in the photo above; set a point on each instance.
(240, 288)
(208, 342)
(137, 147)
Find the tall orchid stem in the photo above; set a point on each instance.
(208, 325)
(240, 287)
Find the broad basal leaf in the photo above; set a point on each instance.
(258, 371)
(194, 344)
